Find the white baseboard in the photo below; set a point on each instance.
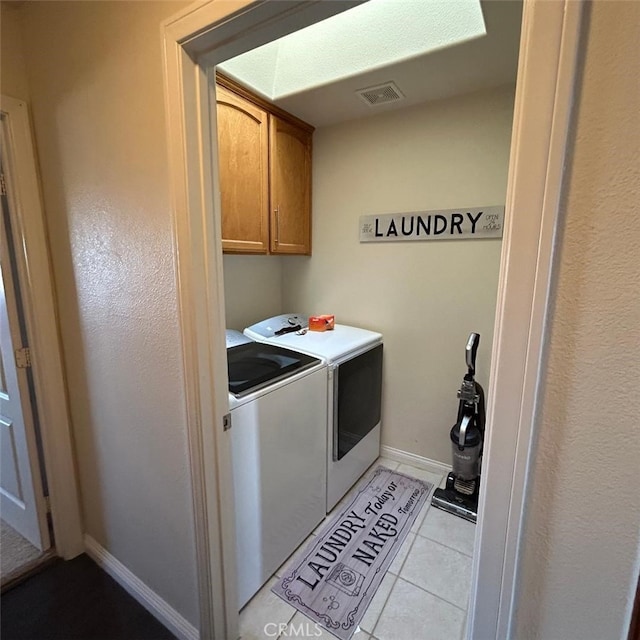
(414, 460)
(149, 599)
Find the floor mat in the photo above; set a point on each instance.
(334, 579)
(16, 551)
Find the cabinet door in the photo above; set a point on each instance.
(290, 180)
(243, 144)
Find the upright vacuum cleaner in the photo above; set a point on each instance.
(460, 496)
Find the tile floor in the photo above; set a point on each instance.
(423, 595)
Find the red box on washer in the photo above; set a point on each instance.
(322, 323)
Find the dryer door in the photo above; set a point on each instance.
(357, 400)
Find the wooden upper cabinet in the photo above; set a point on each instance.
(265, 174)
(243, 142)
(290, 187)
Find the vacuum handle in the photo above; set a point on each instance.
(462, 436)
(471, 350)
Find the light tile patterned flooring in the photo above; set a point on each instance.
(424, 594)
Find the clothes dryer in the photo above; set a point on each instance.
(354, 391)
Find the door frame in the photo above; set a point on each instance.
(205, 34)
(37, 292)
(545, 91)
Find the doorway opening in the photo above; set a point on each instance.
(27, 534)
(33, 392)
(199, 39)
(444, 145)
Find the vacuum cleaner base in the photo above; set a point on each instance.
(456, 503)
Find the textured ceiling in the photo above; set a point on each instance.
(431, 50)
(371, 35)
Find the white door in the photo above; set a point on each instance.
(22, 503)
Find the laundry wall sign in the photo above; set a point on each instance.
(449, 224)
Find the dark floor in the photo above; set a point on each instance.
(75, 600)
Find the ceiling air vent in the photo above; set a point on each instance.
(381, 94)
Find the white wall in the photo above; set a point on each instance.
(580, 547)
(13, 70)
(96, 88)
(425, 297)
(252, 289)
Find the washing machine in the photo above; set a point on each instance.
(278, 407)
(354, 391)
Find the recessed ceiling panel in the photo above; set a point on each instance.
(369, 36)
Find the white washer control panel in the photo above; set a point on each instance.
(280, 325)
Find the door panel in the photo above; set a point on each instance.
(9, 478)
(243, 164)
(290, 169)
